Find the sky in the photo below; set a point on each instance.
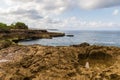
(63, 14)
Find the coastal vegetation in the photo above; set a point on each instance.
(17, 25)
(3, 26)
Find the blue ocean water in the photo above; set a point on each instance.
(108, 38)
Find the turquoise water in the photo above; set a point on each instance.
(109, 38)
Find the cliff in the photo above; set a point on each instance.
(27, 34)
(8, 37)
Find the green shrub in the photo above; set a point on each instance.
(4, 26)
(19, 25)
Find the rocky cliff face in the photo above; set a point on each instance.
(18, 34)
(8, 37)
(36, 62)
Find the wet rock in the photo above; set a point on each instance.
(82, 45)
(70, 35)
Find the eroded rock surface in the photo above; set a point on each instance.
(17, 34)
(10, 37)
(38, 62)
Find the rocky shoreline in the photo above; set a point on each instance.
(22, 34)
(13, 36)
(37, 62)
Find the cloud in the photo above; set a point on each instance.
(46, 13)
(45, 7)
(66, 4)
(52, 7)
(75, 23)
(116, 12)
(35, 9)
(95, 4)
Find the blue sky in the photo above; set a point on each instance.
(63, 14)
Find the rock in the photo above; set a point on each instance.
(15, 34)
(70, 35)
(115, 77)
(5, 43)
(36, 62)
(87, 66)
(99, 54)
(82, 45)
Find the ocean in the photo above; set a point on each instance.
(106, 38)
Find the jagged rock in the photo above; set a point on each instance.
(15, 34)
(36, 62)
(82, 45)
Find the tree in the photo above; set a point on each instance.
(19, 25)
(4, 26)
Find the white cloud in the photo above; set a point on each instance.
(116, 12)
(94, 4)
(75, 24)
(40, 13)
(44, 7)
(52, 7)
